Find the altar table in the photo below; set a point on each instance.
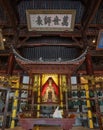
(29, 123)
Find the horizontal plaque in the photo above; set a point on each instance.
(50, 20)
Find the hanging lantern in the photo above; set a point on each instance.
(70, 103)
(82, 94)
(92, 103)
(74, 94)
(83, 102)
(91, 94)
(79, 102)
(99, 93)
(69, 94)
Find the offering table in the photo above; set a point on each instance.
(29, 123)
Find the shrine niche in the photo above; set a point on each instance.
(50, 91)
(55, 66)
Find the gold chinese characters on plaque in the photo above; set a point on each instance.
(50, 20)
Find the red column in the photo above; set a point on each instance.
(89, 65)
(90, 71)
(10, 65)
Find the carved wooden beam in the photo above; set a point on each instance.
(90, 12)
(84, 2)
(10, 11)
(18, 1)
(48, 44)
(96, 53)
(25, 33)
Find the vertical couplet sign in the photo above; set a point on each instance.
(50, 20)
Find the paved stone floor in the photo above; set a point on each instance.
(83, 128)
(53, 128)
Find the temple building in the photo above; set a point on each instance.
(51, 64)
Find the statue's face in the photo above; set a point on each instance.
(50, 82)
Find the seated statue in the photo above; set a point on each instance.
(49, 95)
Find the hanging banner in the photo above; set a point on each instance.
(50, 20)
(1, 41)
(100, 41)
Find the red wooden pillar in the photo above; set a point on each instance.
(90, 71)
(10, 65)
(89, 65)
